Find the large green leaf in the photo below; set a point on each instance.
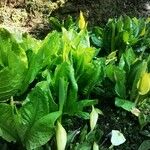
(136, 72)
(45, 87)
(47, 49)
(13, 62)
(30, 44)
(42, 131)
(120, 87)
(66, 71)
(127, 59)
(36, 124)
(7, 123)
(75, 39)
(89, 76)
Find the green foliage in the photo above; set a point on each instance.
(56, 24)
(145, 145)
(86, 138)
(125, 104)
(126, 64)
(13, 65)
(35, 122)
(44, 81)
(57, 66)
(32, 122)
(7, 124)
(121, 34)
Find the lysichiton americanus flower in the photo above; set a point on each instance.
(93, 118)
(117, 138)
(95, 146)
(82, 22)
(61, 137)
(144, 84)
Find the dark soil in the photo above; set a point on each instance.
(99, 11)
(32, 16)
(118, 119)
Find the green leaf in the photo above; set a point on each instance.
(120, 24)
(69, 23)
(125, 104)
(7, 123)
(66, 71)
(36, 124)
(81, 40)
(97, 41)
(120, 89)
(125, 37)
(72, 135)
(143, 119)
(113, 26)
(55, 23)
(49, 48)
(44, 86)
(107, 35)
(135, 73)
(92, 72)
(83, 133)
(83, 146)
(110, 72)
(83, 115)
(63, 85)
(127, 23)
(30, 44)
(13, 62)
(84, 103)
(145, 145)
(127, 59)
(76, 107)
(42, 131)
(118, 76)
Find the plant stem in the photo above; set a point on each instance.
(11, 101)
(111, 147)
(137, 99)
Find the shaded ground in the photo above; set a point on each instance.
(32, 15)
(99, 11)
(118, 119)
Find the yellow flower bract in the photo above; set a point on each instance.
(82, 22)
(93, 118)
(144, 84)
(61, 137)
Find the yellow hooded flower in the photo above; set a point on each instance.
(93, 118)
(95, 146)
(144, 84)
(61, 137)
(82, 22)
